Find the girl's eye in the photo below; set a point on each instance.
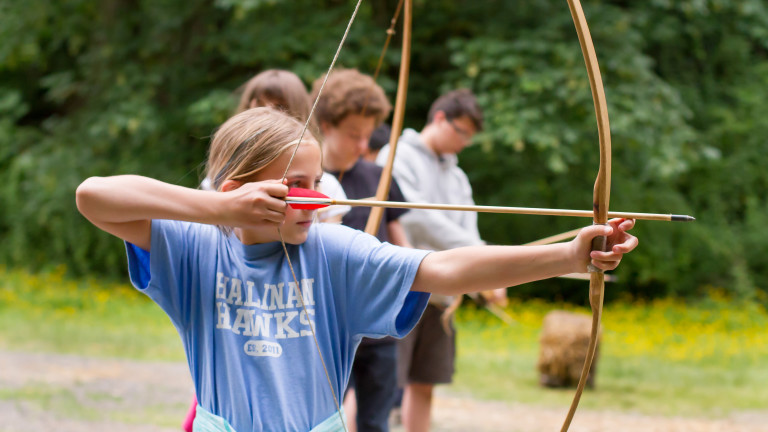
(304, 184)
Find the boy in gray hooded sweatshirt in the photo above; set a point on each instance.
(426, 169)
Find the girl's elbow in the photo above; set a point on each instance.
(86, 194)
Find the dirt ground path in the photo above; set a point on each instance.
(65, 393)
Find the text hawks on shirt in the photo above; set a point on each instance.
(276, 312)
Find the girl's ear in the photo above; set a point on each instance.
(253, 104)
(230, 185)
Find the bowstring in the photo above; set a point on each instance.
(390, 32)
(282, 241)
(322, 86)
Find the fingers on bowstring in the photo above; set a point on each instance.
(274, 217)
(268, 208)
(275, 205)
(275, 188)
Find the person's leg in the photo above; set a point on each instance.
(432, 362)
(417, 407)
(396, 415)
(190, 419)
(350, 410)
(350, 401)
(376, 386)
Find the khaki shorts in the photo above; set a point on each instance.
(426, 355)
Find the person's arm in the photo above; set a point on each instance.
(395, 231)
(125, 205)
(479, 268)
(497, 297)
(396, 234)
(434, 227)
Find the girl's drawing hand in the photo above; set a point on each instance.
(256, 204)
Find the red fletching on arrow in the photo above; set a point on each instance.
(306, 193)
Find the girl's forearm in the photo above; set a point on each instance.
(479, 268)
(130, 198)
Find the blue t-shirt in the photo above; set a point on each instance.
(248, 341)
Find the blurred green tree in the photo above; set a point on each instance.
(119, 86)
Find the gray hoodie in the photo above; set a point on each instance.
(425, 177)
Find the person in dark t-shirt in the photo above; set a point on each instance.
(360, 182)
(350, 108)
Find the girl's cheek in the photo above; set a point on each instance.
(294, 214)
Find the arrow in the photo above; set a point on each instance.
(306, 199)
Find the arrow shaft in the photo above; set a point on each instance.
(487, 209)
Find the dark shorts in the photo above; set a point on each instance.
(427, 354)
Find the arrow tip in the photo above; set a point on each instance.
(682, 218)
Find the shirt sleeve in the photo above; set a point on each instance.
(377, 278)
(169, 272)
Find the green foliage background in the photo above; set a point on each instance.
(128, 86)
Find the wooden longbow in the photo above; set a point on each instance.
(385, 181)
(601, 193)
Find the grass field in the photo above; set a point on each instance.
(665, 357)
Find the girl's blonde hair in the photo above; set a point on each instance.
(281, 89)
(248, 142)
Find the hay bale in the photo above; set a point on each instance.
(564, 341)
